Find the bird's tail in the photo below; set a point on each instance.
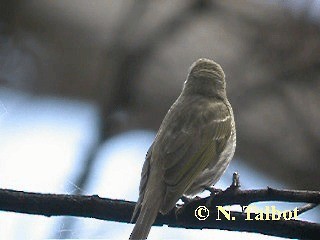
(147, 216)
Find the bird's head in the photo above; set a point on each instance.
(206, 68)
(205, 77)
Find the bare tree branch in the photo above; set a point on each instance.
(121, 211)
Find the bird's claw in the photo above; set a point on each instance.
(187, 200)
(212, 190)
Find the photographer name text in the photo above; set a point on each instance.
(251, 212)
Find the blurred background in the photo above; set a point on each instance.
(84, 86)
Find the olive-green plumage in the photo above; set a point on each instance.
(192, 149)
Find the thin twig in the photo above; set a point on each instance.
(245, 197)
(306, 208)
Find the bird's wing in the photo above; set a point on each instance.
(192, 142)
(143, 183)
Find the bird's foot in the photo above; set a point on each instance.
(235, 185)
(180, 207)
(212, 190)
(187, 200)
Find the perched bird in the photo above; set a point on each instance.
(192, 149)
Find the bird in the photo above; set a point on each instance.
(192, 148)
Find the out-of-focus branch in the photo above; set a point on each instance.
(121, 211)
(122, 62)
(124, 58)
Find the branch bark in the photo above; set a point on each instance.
(121, 210)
